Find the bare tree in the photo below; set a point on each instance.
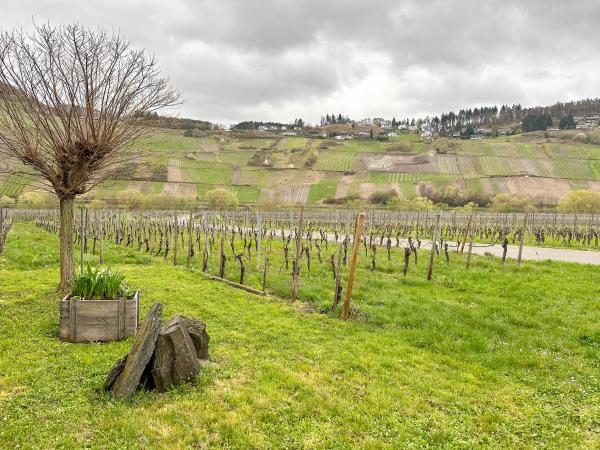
(72, 102)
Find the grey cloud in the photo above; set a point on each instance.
(278, 59)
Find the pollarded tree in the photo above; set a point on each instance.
(72, 102)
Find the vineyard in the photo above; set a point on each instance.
(277, 252)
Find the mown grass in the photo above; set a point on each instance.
(499, 356)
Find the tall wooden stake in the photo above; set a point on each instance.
(433, 245)
(471, 236)
(190, 225)
(81, 247)
(265, 266)
(175, 239)
(296, 267)
(522, 240)
(466, 235)
(355, 251)
(1, 229)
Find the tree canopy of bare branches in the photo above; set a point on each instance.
(72, 102)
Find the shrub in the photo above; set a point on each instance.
(37, 199)
(221, 199)
(453, 196)
(97, 204)
(512, 203)
(402, 147)
(130, 198)
(580, 201)
(342, 200)
(414, 204)
(7, 201)
(382, 197)
(100, 284)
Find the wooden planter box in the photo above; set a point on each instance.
(98, 320)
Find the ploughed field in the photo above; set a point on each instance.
(497, 356)
(289, 170)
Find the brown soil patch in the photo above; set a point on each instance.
(397, 162)
(343, 186)
(209, 148)
(180, 189)
(175, 174)
(538, 187)
(594, 185)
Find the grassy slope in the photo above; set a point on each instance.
(499, 356)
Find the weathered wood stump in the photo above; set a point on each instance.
(160, 357)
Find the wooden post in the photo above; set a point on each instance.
(265, 266)
(189, 257)
(470, 249)
(296, 267)
(522, 240)
(258, 239)
(1, 229)
(102, 246)
(81, 233)
(433, 245)
(466, 235)
(175, 239)
(355, 251)
(338, 276)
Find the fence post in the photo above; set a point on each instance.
(81, 234)
(355, 251)
(433, 245)
(296, 266)
(1, 229)
(258, 239)
(462, 247)
(175, 239)
(471, 236)
(522, 240)
(189, 257)
(265, 266)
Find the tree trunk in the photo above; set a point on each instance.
(67, 271)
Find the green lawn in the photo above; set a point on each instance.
(497, 357)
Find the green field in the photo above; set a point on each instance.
(321, 190)
(497, 357)
(13, 185)
(335, 160)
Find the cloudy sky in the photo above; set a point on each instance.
(239, 60)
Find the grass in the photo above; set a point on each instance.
(220, 175)
(499, 356)
(166, 141)
(322, 189)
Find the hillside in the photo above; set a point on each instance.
(276, 169)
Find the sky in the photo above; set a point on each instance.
(278, 60)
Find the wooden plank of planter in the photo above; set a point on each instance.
(140, 353)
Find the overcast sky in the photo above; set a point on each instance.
(277, 60)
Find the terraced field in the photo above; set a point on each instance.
(335, 160)
(354, 166)
(13, 185)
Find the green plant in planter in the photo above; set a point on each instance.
(100, 284)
